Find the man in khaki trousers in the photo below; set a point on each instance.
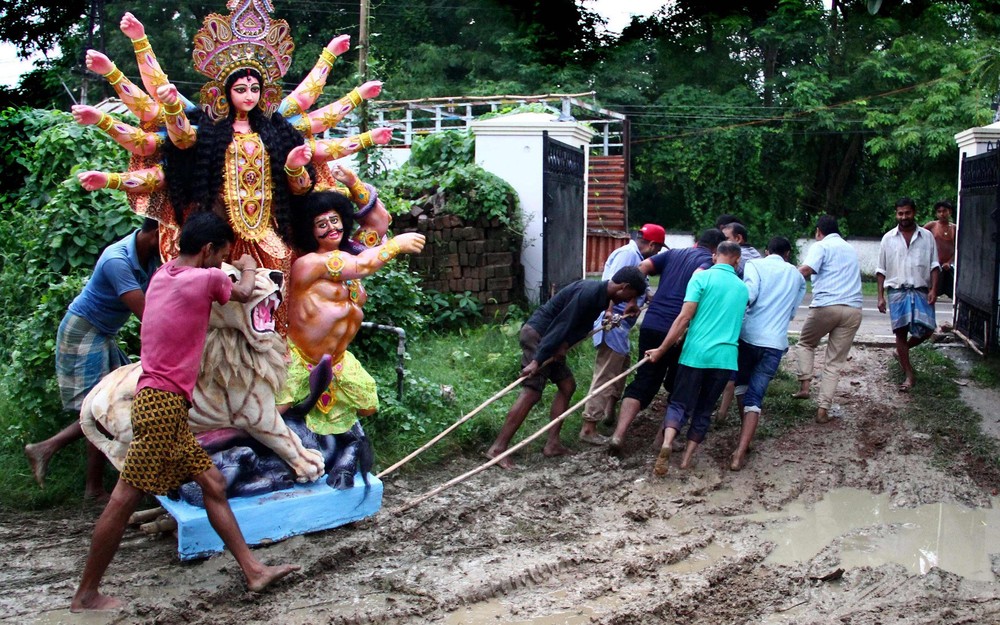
(835, 311)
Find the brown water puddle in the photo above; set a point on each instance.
(872, 532)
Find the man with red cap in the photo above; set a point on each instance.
(612, 345)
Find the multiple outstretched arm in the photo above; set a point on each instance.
(161, 112)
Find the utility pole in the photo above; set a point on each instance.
(95, 25)
(362, 110)
(363, 59)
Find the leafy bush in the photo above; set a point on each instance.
(442, 164)
(51, 233)
(394, 298)
(450, 311)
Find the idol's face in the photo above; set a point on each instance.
(245, 94)
(328, 230)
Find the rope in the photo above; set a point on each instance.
(613, 322)
(415, 502)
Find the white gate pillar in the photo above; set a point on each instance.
(511, 147)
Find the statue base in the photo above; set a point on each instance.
(275, 516)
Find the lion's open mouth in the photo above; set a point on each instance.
(262, 317)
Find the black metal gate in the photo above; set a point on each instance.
(977, 262)
(563, 187)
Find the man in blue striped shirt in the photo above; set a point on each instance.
(776, 289)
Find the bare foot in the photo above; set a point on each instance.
(822, 416)
(39, 462)
(553, 451)
(800, 395)
(94, 602)
(269, 575)
(906, 386)
(506, 463)
(616, 447)
(737, 461)
(662, 462)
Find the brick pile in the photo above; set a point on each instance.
(481, 256)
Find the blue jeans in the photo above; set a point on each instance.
(757, 366)
(694, 397)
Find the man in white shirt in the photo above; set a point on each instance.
(835, 311)
(908, 267)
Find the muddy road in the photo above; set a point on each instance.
(595, 539)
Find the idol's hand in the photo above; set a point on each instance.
(92, 180)
(167, 94)
(382, 136)
(339, 45)
(85, 115)
(132, 27)
(299, 156)
(410, 242)
(98, 62)
(370, 89)
(343, 175)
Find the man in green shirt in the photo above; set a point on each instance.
(709, 355)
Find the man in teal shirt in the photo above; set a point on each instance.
(709, 355)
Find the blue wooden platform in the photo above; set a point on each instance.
(276, 516)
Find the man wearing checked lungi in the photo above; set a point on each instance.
(87, 342)
(164, 452)
(908, 267)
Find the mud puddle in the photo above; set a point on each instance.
(497, 611)
(868, 531)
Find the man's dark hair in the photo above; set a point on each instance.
(632, 277)
(827, 224)
(944, 204)
(711, 238)
(738, 230)
(310, 206)
(905, 201)
(149, 224)
(728, 248)
(202, 228)
(726, 219)
(779, 246)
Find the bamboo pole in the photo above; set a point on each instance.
(415, 502)
(144, 516)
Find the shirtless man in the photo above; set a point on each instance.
(944, 232)
(325, 308)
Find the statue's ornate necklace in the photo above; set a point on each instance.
(248, 186)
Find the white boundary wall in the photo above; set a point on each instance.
(866, 247)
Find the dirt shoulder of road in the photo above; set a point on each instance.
(585, 539)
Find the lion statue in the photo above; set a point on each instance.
(242, 368)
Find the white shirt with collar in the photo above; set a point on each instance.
(907, 265)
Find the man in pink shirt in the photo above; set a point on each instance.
(164, 452)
